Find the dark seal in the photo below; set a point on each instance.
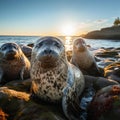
(54, 78)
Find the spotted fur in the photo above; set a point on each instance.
(58, 80)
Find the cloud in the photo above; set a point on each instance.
(84, 27)
(100, 21)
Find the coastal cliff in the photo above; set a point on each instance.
(105, 33)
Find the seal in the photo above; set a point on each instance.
(83, 59)
(13, 63)
(26, 50)
(54, 79)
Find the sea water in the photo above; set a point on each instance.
(68, 41)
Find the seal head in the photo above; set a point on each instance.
(13, 63)
(48, 51)
(10, 51)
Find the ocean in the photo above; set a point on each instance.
(67, 41)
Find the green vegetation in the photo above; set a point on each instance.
(117, 21)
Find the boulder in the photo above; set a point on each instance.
(105, 104)
(112, 71)
(107, 54)
(23, 86)
(20, 106)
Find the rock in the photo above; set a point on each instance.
(39, 112)
(3, 115)
(105, 33)
(112, 71)
(11, 101)
(15, 101)
(105, 104)
(23, 86)
(31, 45)
(19, 106)
(107, 54)
(105, 62)
(115, 75)
(118, 49)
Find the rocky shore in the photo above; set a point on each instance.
(16, 102)
(105, 33)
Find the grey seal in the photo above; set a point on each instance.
(54, 79)
(83, 59)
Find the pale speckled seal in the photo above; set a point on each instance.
(83, 59)
(54, 78)
(13, 63)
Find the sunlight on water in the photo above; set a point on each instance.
(68, 43)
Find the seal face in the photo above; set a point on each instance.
(53, 77)
(83, 59)
(48, 60)
(13, 63)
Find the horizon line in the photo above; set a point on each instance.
(40, 35)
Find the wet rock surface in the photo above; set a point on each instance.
(105, 104)
(20, 106)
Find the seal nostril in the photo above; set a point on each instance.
(12, 51)
(47, 51)
(50, 51)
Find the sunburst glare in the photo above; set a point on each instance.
(68, 43)
(68, 30)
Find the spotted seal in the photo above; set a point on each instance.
(83, 59)
(54, 79)
(13, 63)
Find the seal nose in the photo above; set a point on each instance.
(11, 51)
(47, 51)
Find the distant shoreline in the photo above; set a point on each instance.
(37, 35)
(112, 33)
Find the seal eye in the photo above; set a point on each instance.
(15, 47)
(57, 44)
(39, 45)
(3, 48)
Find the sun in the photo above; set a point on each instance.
(68, 30)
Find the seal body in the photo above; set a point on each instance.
(83, 59)
(53, 77)
(13, 63)
(27, 50)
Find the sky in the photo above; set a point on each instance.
(56, 17)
